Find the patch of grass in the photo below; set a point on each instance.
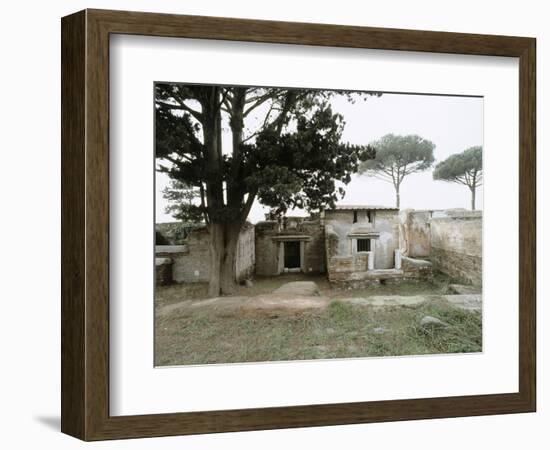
(341, 331)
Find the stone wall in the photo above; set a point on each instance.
(314, 251)
(246, 253)
(191, 262)
(417, 225)
(163, 271)
(387, 223)
(270, 237)
(456, 245)
(451, 239)
(267, 250)
(416, 268)
(341, 265)
(384, 222)
(175, 233)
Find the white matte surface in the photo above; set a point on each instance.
(138, 388)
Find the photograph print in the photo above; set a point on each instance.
(297, 224)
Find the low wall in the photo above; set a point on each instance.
(347, 268)
(187, 267)
(416, 268)
(456, 245)
(163, 271)
(191, 262)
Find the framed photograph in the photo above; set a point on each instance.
(272, 225)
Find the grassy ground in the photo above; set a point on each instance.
(341, 331)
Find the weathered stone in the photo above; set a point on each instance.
(432, 322)
(456, 244)
(266, 304)
(464, 289)
(417, 226)
(191, 262)
(344, 225)
(398, 259)
(270, 238)
(379, 330)
(416, 268)
(387, 300)
(163, 271)
(248, 283)
(467, 302)
(294, 288)
(282, 303)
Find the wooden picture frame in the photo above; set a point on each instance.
(85, 224)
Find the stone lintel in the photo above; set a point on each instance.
(292, 237)
(370, 235)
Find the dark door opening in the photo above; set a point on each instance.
(363, 245)
(292, 255)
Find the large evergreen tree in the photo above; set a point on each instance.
(463, 168)
(292, 157)
(397, 157)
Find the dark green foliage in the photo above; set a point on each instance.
(293, 160)
(175, 233)
(300, 168)
(183, 202)
(461, 167)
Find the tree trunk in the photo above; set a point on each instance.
(214, 186)
(397, 198)
(223, 258)
(229, 260)
(216, 256)
(473, 189)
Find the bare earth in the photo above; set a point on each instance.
(294, 317)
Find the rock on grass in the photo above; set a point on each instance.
(432, 322)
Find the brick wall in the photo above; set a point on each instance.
(269, 237)
(191, 262)
(246, 254)
(387, 223)
(267, 250)
(418, 228)
(314, 252)
(456, 245)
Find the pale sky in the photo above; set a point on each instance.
(453, 124)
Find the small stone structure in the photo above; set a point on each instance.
(354, 245)
(163, 271)
(191, 262)
(295, 244)
(362, 245)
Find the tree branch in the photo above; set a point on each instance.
(182, 106)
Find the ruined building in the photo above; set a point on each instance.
(351, 245)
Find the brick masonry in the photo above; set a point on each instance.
(191, 262)
(450, 239)
(270, 236)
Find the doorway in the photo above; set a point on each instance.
(292, 255)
